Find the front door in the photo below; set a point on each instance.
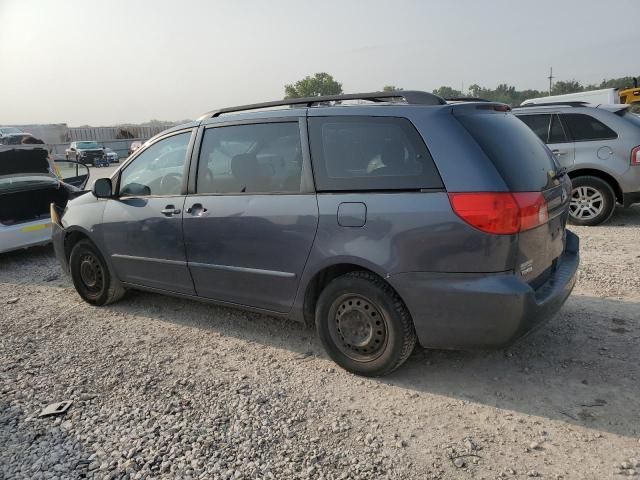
(142, 226)
(561, 144)
(250, 224)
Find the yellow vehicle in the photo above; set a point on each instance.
(631, 96)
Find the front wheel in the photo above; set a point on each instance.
(592, 201)
(363, 324)
(91, 276)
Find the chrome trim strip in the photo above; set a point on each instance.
(258, 271)
(147, 259)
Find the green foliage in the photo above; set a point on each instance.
(447, 92)
(313, 86)
(507, 94)
(391, 88)
(562, 88)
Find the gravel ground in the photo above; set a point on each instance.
(166, 388)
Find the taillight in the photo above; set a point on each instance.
(635, 156)
(501, 213)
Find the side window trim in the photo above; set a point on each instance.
(567, 137)
(306, 183)
(140, 151)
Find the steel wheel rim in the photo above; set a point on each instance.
(91, 274)
(586, 203)
(358, 327)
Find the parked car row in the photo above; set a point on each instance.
(385, 225)
(91, 153)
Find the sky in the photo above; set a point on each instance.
(116, 61)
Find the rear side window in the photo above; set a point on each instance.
(521, 159)
(369, 153)
(584, 128)
(539, 124)
(256, 158)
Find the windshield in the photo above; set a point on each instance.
(87, 145)
(7, 130)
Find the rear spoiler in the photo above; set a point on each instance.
(615, 107)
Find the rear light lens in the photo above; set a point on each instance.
(635, 156)
(501, 213)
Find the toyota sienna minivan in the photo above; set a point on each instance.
(386, 223)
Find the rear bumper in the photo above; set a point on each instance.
(24, 235)
(472, 311)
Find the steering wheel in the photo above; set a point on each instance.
(170, 183)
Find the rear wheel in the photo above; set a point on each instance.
(363, 324)
(592, 201)
(91, 276)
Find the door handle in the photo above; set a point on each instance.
(170, 210)
(197, 210)
(558, 153)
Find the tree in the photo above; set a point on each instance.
(622, 82)
(312, 86)
(391, 88)
(447, 92)
(561, 88)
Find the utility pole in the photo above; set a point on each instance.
(550, 77)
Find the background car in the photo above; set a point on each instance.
(135, 146)
(112, 155)
(29, 184)
(18, 138)
(9, 130)
(600, 148)
(86, 152)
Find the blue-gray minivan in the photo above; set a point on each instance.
(405, 219)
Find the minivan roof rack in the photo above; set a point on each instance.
(412, 97)
(551, 104)
(466, 99)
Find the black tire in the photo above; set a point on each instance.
(91, 276)
(364, 325)
(586, 212)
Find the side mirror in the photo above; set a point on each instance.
(72, 173)
(102, 188)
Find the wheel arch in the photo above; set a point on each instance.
(73, 236)
(592, 172)
(323, 277)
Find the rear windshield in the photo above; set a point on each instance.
(523, 161)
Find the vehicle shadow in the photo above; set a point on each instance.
(582, 368)
(625, 217)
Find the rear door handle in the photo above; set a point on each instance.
(197, 210)
(558, 153)
(170, 210)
